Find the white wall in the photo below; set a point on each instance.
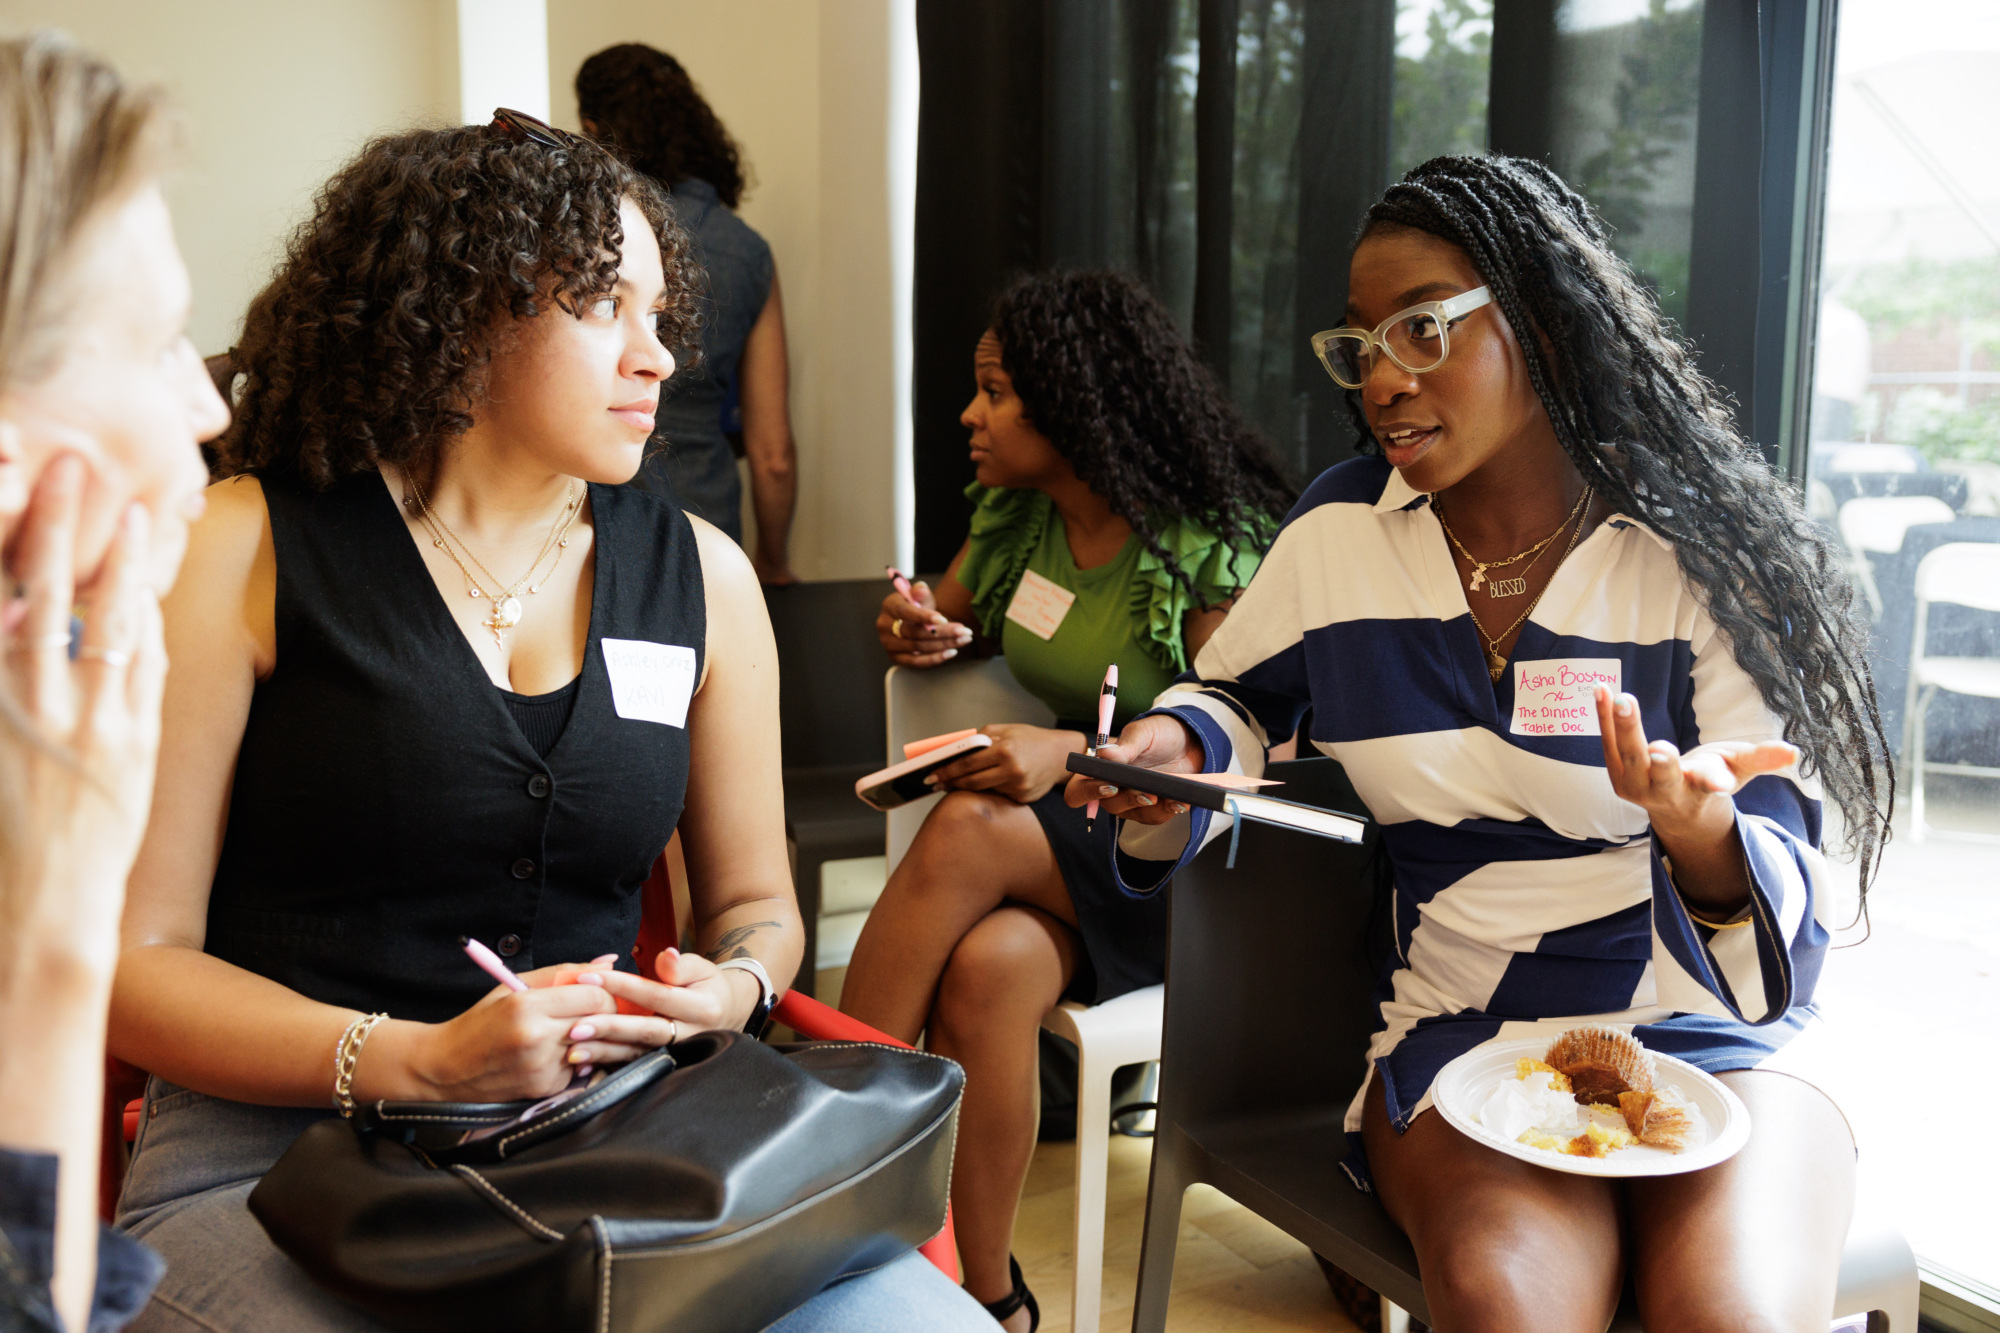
(819, 95)
(810, 94)
(276, 95)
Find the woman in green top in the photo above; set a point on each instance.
(1121, 504)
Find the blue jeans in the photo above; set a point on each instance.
(198, 1158)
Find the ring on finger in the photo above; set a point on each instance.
(673, 1032)
(897, 628)
(111, 657)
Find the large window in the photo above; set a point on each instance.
(1628, 77)
(1905, 468)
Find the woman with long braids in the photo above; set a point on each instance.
(1111, 472)
(1554, 492)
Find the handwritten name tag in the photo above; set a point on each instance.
(1039, 605)
(650, 682)
(1558, 697)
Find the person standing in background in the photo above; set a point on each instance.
(641, 103)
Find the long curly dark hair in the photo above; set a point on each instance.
(1104, 374)
(1613, 372)
(369, 344)
(645, 108)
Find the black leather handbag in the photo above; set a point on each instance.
(715, 1185)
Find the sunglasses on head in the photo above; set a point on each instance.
(521, 125)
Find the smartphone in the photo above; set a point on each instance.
(899, 784)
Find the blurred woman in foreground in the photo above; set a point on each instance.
(102, 403)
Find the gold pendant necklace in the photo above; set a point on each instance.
(1513, 587)
(1496, 661)
(506, 605)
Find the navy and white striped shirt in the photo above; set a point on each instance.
(1528, 895)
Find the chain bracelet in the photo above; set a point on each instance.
(347, 1054)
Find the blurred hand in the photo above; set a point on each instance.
(773, 572)
(88, 785)
(1160, 741)
(1023, 762)
(926, 637)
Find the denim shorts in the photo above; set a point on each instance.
(198, 1157)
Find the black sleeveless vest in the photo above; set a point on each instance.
(386, 802)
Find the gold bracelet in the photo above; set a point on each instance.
(346, 1055)
(1747, 917)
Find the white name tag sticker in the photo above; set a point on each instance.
(650, 682)
(1558, 697)
(1039, 605)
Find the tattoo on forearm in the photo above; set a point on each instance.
(731, 945)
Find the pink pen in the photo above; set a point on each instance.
(1107, 703)
(903, 586)
(489, 963)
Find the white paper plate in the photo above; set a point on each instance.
(1463, 1086)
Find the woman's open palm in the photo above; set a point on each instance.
(1678, 791)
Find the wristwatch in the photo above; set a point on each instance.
(767, 996)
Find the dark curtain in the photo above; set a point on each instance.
(1221, 150)
(1225, 150)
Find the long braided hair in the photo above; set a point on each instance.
(1657, 439)
(1107, 377)
(644, 107)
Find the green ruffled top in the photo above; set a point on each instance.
(1129, 610)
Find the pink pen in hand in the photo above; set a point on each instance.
(489, 963)
(897, 577)
(1107, 704)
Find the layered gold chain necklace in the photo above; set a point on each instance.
(505, 601)
(1513, 587)
(1496, 661)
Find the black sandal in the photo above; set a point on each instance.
(1005, 1307)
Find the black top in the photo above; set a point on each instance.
(386, 801)
(542, 717)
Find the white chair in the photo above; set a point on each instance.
(935, 700)
(1124, 1031)
(1876, 524)
(1956, 574)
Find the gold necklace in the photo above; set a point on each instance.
(1496, 661)
(506, 605)
(1513, 587)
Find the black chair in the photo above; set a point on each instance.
(833, 718)
(1271, 968)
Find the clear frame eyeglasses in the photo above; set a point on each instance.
(1417, 339)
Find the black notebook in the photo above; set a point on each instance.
(1263, 809)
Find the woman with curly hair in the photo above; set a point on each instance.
(1559, 547)
(439, 673)
(1115, 479)
(641, 104)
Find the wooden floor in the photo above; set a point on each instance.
(1233, 1273)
